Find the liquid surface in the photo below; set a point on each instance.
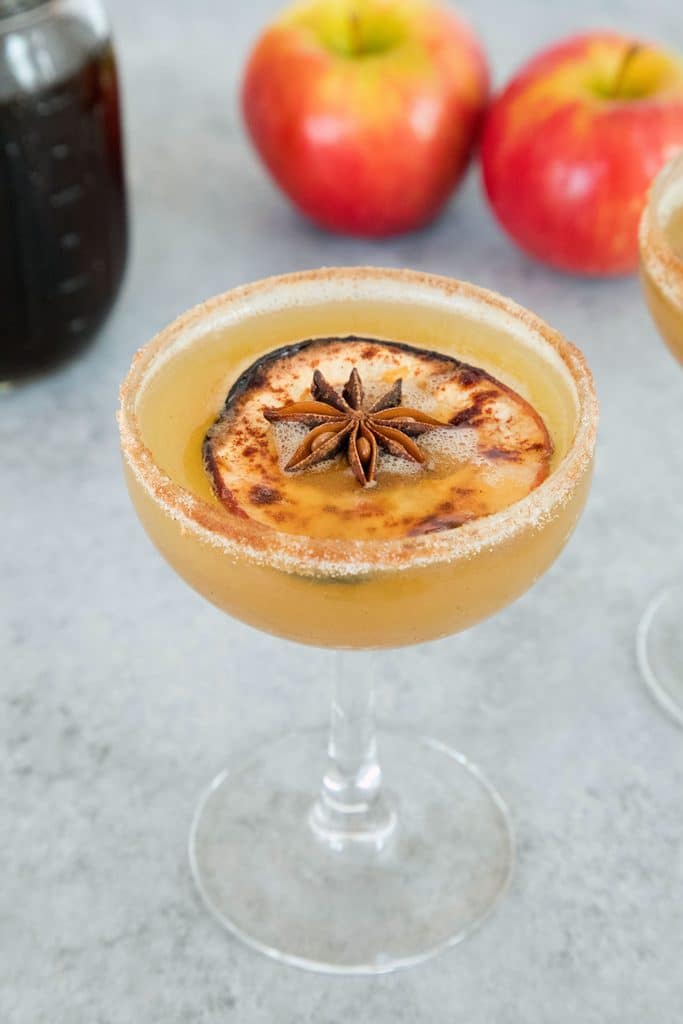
(485, 449)
(62, 210)
(185, 394)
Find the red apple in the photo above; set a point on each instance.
(366, 111)
(571, 145)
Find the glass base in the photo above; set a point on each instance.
(266, 874)
(660, 649)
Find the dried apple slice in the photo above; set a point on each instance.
(365, 439)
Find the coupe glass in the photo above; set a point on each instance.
(309, 850)
(660, 637)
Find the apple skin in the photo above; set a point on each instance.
(566, 165)
(368, 145)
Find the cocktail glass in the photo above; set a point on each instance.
(373, 868)
(660, 633)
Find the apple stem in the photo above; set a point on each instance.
(354, 32)
(627, 57)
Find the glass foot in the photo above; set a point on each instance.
(660, 649)
(351, 907)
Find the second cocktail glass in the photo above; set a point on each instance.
(660, 636)
(385, 866)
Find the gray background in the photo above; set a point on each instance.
(123, 692)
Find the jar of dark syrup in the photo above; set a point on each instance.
(62, 196)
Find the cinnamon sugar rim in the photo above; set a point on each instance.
(664, 266)
(242, 538)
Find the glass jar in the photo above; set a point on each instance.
(63, 231)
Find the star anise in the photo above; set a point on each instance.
(342, 421)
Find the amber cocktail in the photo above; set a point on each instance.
(660, 637)
(398, 457)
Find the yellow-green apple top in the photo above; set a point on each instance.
(366, 112)
(572, 143)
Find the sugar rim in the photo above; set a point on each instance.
(308, 556)
(660, 260)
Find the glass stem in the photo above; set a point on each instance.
(352, 806)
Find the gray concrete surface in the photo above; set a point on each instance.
(123, 692)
